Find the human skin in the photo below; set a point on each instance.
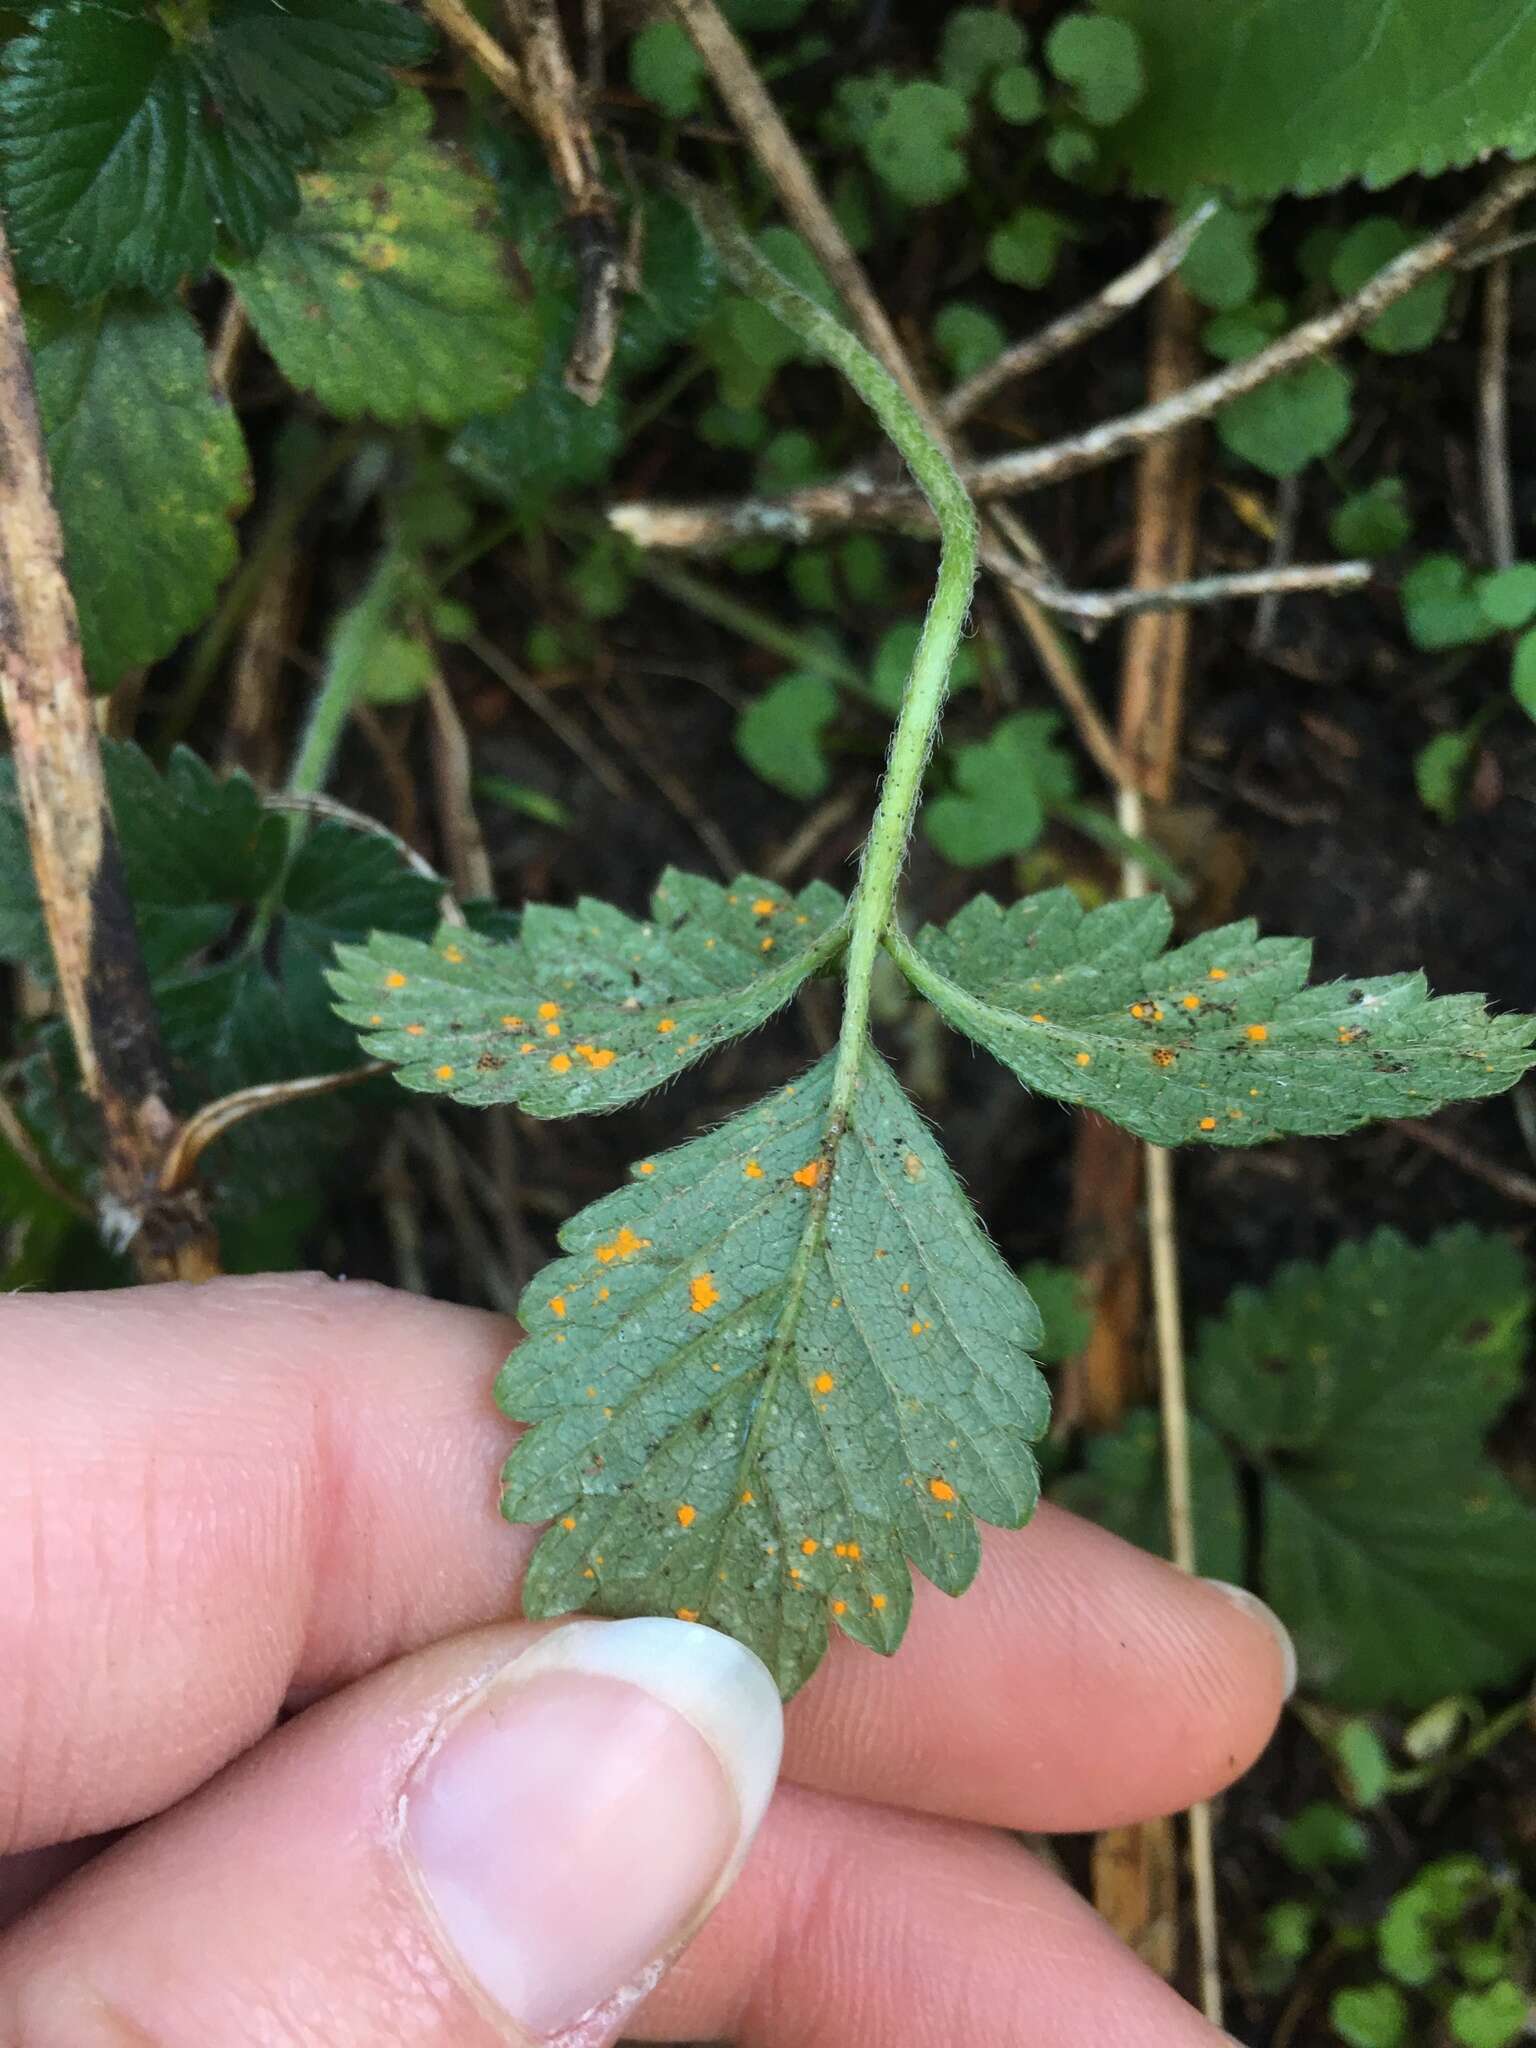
(254, 1593)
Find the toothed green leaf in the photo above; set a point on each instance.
(149, 470)
(124, 148)
(1121, 1486)
(387, 294)
(1269, 96)
(1400, 1557)
(770, 1373)
(1220, 1041)
(587, 1008)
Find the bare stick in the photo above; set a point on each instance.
(555, 109)
(228, 341)
(1024, 357)
(102, 979)
(1287, 518)
(1154, 663)
(452, 770)
(461, 27)
(862, 501)
(1151, 720)
(1331, 577)
(1493, 416)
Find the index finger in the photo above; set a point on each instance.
(215, 1499)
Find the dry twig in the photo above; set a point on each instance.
(460, 26)
(102, 979)
(452, 770)
(554, 106)
(1333, 578)
(1493, 416)
(1106, 306)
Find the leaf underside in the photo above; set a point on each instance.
(1219, 1041)
(587, 1008)
(743, 1425)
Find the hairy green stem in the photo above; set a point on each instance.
(922, 701)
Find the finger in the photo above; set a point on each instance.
(856, 1923)
(497, 1840)
(212, 1498)
(466, 1850)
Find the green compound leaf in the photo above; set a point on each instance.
(780, 1365)
(587, 1008)
(1270, 96)
(149, 470)
(125, 149)
(1399, 1556)
(387, 295)
(1102, 58)
(1220, 1041)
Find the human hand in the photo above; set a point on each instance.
(221, 1503)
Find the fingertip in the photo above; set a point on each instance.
(1280, 1638)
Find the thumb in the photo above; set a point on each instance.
(496, 1840)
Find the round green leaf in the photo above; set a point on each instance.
(1101, 57)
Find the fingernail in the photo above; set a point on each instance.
(582, 1815)
(1252, 1604)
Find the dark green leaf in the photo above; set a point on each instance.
(1220, 1041)
(149, 470)
(195, 851)
(768, 1374)
(588, 1008)
(1121, 1488)
(1398, 1555)
(1273, 96)
(124, 149)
